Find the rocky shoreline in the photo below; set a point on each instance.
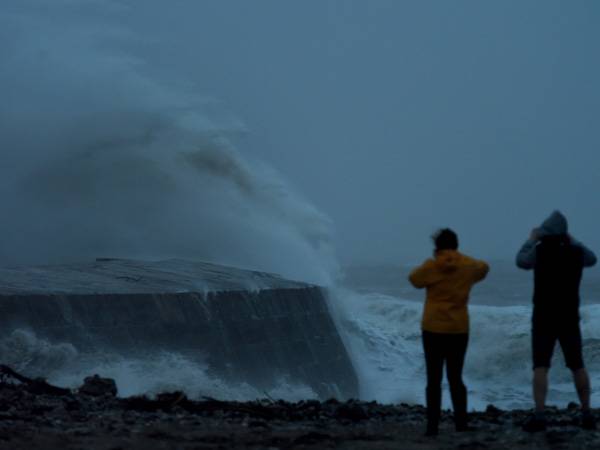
(34, 414)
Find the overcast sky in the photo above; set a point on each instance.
(396, 117)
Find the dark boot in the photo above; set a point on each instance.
(534, 423)
(432, 429)
(458, 392)
(434, 406)
(588, 421)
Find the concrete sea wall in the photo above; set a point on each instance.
(256, 335)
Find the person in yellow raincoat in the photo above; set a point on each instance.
(447, 278)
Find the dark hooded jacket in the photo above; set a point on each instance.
(558, 261)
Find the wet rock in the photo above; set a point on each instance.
(312, 438)
(491, 410)
(171, 420)
(171, 400)
(96, 386)
(351, 411)
(71, 404)
(561, 436)
(572, 406)
(37, 386)
(258, 424)
(472, 445)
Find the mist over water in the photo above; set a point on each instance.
(101, 160)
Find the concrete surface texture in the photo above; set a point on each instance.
(247, 326)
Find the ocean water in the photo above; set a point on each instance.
(382, 332)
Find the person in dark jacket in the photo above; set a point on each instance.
(557, 260)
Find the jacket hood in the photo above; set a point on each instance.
(555, 224)
(447, 260)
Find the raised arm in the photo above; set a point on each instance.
(589, 258)
(481, 270)
(421, 276)
(526, 256)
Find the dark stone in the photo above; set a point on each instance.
(172, 398)
(560, 436)
(258, 424)
(97, 386)
(71, 404)
(491, 410)
(351, 411)
(37, 386)
(472, 445)
(312, 438)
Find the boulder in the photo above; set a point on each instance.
(96, 386)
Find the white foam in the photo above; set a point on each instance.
(61, 364)
(384, 339)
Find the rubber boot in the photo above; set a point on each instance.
(434, 406)
(459, 403)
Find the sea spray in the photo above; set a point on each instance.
(100, 159)
(381, 335)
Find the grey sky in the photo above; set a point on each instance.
(396, 117)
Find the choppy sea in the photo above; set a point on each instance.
(379, 316)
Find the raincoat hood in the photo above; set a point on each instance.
(555, 224)
(447, 260)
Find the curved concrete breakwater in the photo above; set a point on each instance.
(245, 326)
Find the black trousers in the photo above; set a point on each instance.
(450, 349)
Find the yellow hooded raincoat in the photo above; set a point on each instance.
(448, 279)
